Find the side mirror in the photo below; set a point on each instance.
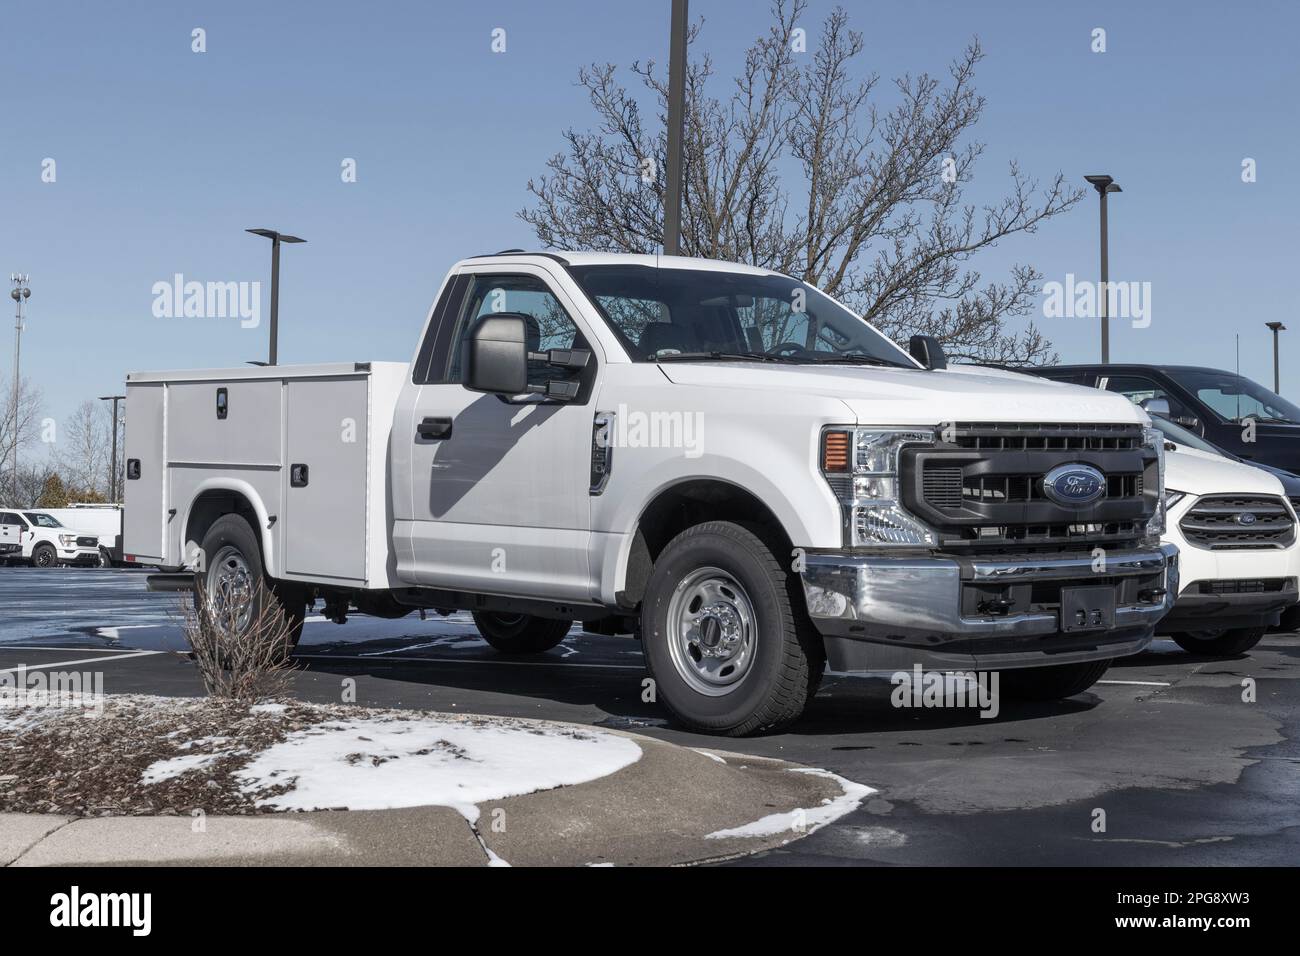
(495, 356)
(1157, 406)
(927, 350)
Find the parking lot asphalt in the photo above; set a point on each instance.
(1170, 760)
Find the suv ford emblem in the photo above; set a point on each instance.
(1246, 518)
(1074, 485)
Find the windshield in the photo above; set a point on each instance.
(1181, 436)
(685, 314)
(1236, 398)
(42, 521)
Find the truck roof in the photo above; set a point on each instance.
(654, 261)
(1132, 366)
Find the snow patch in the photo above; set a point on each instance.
(385, 763)
(806, 820)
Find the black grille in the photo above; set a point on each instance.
(1238, 522)
(981, 485)
(87, 542)
(1048, 437)
(1244, 586)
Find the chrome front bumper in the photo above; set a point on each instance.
(878, 611)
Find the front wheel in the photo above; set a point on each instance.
(725, 638)
(44, 556)
(1052, 683)
(1221, 643)
(520, 633)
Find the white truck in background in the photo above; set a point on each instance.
(103, 521)
(43, 541)
(718, 459)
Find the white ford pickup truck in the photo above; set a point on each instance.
(717, 459)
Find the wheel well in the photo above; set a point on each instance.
(207, 508)
(685, 505)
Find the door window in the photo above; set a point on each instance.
(1139, 390)
(548, 324)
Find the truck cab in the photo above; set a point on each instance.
(1225, 408)
(714, 458)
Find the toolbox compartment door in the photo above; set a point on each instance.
(326, 495)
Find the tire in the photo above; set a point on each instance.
(1051, 683)
(1226, 643)
(105, 560)
(44, 556)
(1290, 620)
(231, 548)
(520, 633)
(751, 665)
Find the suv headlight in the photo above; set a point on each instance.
(1154, 439)
(861, 466)
(67, 540)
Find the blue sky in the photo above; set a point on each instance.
(165, 156)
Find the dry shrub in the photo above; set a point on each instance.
(240, 663)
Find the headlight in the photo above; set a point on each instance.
(1172, 498)
(861, 466)
(1154, 439)
(67, 540)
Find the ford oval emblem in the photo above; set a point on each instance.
(1246, 518)
(1074, 485)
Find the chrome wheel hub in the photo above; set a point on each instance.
(711, 631)
(230, 588)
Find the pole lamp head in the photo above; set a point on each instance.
(1103, 184)
(274, 236)
(1275, 326)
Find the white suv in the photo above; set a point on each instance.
(44, 541)
(1238, 549)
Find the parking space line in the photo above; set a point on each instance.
(1138, 683)
(88, 650)
(84, 660)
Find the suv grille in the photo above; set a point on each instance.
(1238, 522)
(1244, 586)
(983, 486)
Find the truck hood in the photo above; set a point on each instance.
(1200, 473)
(900, 396)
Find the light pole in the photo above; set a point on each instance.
(112, 472)
(276, 238)
(1276, 327)
(20, 294)
(1104, 185)
(676, 120)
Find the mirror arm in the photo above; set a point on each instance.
(562, 358)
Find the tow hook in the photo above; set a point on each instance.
(998, 607)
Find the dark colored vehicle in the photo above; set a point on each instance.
(1209, 402)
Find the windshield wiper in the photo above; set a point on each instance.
(720, 357)
(1265, 420)
(858, 358)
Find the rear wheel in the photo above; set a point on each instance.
(724, 634)
(1220, 643)
(232, 568)
(44, 555)
(520, 633)
(1051, 683)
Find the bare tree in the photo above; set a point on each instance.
(38, 486)
(83, 452)
(24, 418)
(802, 170)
